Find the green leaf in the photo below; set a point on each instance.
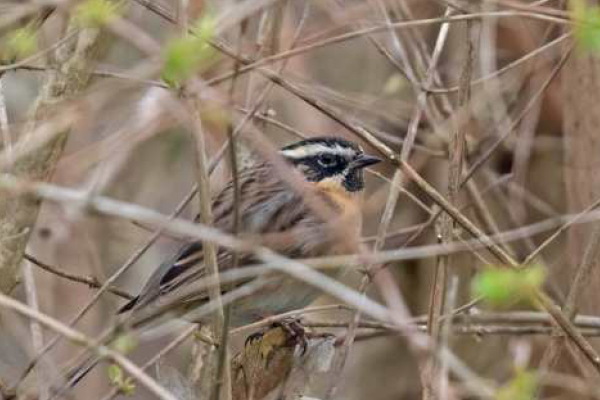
(115, 374)
(20, 43)
(586, 25)
(118, 379)
(394, 84)
(503, 287)
(127, 387)
(205, 28)
(181, 60)
(124, 343)
(95, 13)
(184, 56)
(522, 387)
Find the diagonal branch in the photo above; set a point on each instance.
(81, 339)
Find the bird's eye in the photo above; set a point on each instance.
(327, 160)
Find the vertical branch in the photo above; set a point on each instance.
(214, 363)
(431, 371)
(209, 249)
(446, 330)
(580, 88)
(4, 127)
(392, 200)
(446, 226)
(69, 74)
(581, 279)
(223, 373)
(37, 338)
(223, 364)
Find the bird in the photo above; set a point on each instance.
(277, 215)
(316, 215)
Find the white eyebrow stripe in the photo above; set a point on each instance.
(314, 149)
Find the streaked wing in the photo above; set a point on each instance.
(265, 213)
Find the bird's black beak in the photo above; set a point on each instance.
(364, 160)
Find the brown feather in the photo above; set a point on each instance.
(272, 215)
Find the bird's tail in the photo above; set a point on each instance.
(74, 376)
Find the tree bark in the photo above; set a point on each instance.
(578, 277)
(581, 86)
(69, 74)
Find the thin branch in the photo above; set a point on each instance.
(530, 104)
(371, 30)
(541, 299)
(277, 262)
(114, 392)
(166, 14)
(129, 263)
(82, 340)
(432, 371)
(7, 141)
(108, 283)
(390, 207)
(183, 227)
(17, 219)
(37, 337)
(289, 266)
(209, 249)
(568, 223)
(86, 280)
(589, 261)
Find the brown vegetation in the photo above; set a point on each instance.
(118, 120)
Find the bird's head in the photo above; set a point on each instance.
(330, 161)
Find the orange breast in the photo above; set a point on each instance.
(348, 222)
(347, 202)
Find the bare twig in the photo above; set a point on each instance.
(376, 29)
(36, 332)
(390, 207)
(89, 281)
(182, 227)
(532, 101)
(580, 281)
(108, 283)
(176, 342)
(18, 218)
(4, 126)
(542, 299)
(502, 322)
(208, 248)
(81, 339)
(432, 371)
(277, 262)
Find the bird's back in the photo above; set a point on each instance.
(274, 215)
